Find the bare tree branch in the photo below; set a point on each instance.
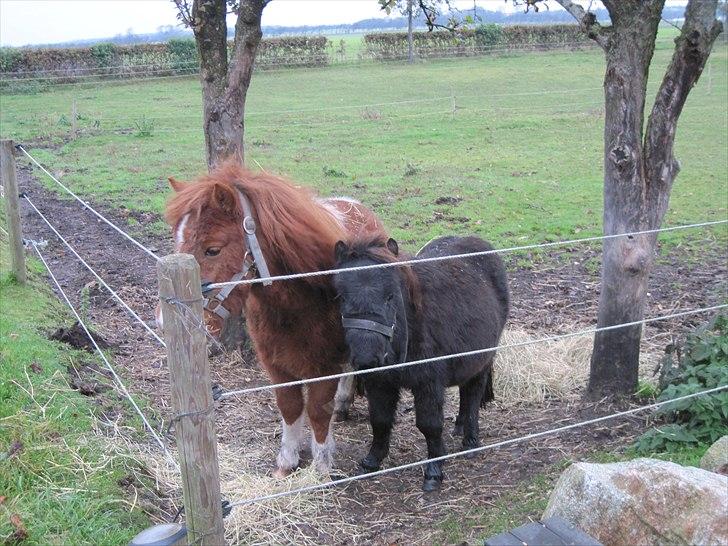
(184, 12)
(588, 22)
(692, 49)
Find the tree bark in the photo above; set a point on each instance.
(638, 175)
(225, 83)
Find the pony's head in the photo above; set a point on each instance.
(223, 216)
(372, 302)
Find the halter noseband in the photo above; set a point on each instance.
(252, 261)
(370, 325)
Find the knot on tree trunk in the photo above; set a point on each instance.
(634, 254)
(622, 157)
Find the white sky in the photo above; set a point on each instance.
(25, 22)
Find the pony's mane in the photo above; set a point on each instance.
(295, 230)
(374, 247)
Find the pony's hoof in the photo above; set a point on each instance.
(432, 484)
(458, 430)
(280, 473)
(470, 444)
(340, 416)
(369, 464)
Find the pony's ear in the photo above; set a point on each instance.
(223, 197)
(393, 246)
(177, 185)
(340, 249)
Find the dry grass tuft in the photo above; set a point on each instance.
(306, 518)
(545, 371)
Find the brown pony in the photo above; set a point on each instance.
(295, 325)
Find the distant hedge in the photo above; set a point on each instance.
(164, 59)
(469, 42)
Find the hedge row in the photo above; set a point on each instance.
(164, 59)
(468, 42)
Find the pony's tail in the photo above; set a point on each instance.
(488, 394)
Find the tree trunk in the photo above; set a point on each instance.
(410, 37)
(638, 178)
(626, 262)
(225, 83)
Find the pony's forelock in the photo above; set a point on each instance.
(374, 247)
(300, 234)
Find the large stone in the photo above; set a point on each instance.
(716, 458)
(644, 501)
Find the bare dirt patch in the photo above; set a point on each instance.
(557, 294)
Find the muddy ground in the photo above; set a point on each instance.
(558, 293)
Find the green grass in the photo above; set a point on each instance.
(56, 474)
(528, 166)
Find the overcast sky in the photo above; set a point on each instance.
(48, 21)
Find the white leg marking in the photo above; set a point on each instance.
(344, 396)
(158, 317)
(323, 454)
(179, 236)
(288, 456)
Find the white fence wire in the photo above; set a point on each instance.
(117, 379)
(98, 277)
(250, 390)
(402, 263)
(532, 436)
(90, 208)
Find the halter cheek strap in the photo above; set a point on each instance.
(252, 241)
(257, 263)
(370, 325)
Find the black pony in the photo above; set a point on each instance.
(395, 314)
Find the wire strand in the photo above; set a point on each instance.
(474, 450)
(98, 277)
(118, 380)
(474, 352)
(89, 207)
(402, 263)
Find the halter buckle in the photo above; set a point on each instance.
(249, 225)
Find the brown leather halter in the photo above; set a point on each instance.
(253, 260)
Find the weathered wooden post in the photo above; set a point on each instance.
(12, 208)
(181, 300)
(74, 119)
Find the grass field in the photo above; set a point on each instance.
(516, 139)
(508, 147)
(60, 478)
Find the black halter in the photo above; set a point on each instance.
(370, 325)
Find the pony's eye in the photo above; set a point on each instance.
(390, 297)
(212, 251)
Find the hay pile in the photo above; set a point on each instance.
(534, 374)
(305, 518)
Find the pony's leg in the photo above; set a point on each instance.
(429, 419)
(382, 407)
(471, 394)
(343, 398)
(290, 404)
(320, 409)
(462, 413)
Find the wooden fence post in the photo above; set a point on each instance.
(181, 300)
(74, 119)
(12, 207)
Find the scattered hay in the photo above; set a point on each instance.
(533, 374)
(305, 518)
